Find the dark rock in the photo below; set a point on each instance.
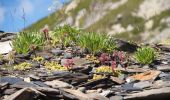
(23, 84)
(58, 73)
(1, 31)
(23, 56)
(45, 55)
(26, 94)
(126, 46)
(35, 65)
(11, 80)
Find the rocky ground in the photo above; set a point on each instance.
(82, 82)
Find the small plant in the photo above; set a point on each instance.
(53, 66)
(145, 55)
(69, 63)
(64, 35)
(10, 57)
(92, 58)
(104, 58)
(104, 69)
(25, 42)
(1, 57)
(110, 45)
(23, 66)
(38, 59)
(119, 56)
(94, 42)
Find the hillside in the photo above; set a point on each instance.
(137, 20)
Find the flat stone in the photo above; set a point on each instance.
(24, 84)
(129, 87)
(58, 84)
(117, 80)
(11, 80)
(34, 77)
(153, 94)
(39, 83)
(10, 91)
(164, 68)
(25, 94)
(148, 75)
(96, 96)
(105, 93)
(5, 47)
(144, 84)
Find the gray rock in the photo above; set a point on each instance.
(58, 84)
(57, 51)
(10, 91)
(68, 55)
(82, 89)
(129, 87)
(153, 94)
(10, 80)
(32, 76)
(142, 85)
(165, 68)
(41, 84)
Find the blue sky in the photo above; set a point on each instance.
(12, 12)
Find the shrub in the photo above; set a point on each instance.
(24, 42)
(145, 55)
(64, 35)
(94, 42)
(110, 45)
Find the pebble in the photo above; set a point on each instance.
(82, 89)
(68, 55)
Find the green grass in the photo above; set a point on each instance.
(157, 20)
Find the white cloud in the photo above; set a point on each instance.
(2, 14)
(27, 6)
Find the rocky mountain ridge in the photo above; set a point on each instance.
(137, 20)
